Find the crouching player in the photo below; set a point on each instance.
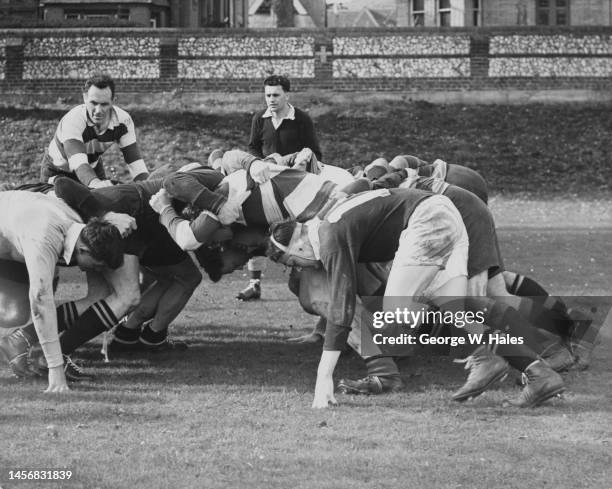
(423, 234)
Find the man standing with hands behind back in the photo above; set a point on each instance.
(280, 128)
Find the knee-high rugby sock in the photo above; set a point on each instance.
(95, 320)
(382, 366)
(525, 286)
(66, 316)
(505, 320)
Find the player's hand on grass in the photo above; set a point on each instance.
(230, 211)
(160, 200)
(123, 222)
(97, 183)
(324, 388)
(324, 392)
(57, 381)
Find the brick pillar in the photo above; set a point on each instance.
(13, 70)
(479, 56)
(168, 58)
(323, 61)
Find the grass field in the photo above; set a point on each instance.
(233, 411)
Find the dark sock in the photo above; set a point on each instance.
(150, 337)
(382, 366)
(549, 314)
(505, 320)
(125, 335)
(95, 320)
(528, 287)
(520, 362)
(66, 316)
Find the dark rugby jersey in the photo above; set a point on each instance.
(364, 228)
(290, 137)
(150, 241)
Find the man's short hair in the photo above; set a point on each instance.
(101, 81)
(275, 80)
(104, 242)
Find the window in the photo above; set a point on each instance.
(418, 13)
(552, 12)
(476, 13)
(265, 8)
(444, 13)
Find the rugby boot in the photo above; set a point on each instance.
(485, 369)
(558, 357)
(251, 293)
(15, 348)
(167, 344)
(72, 371)
(372, 384)
(383, 376)
(124, 339)
(159, 341)
(541, 383)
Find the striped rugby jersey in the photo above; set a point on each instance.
(77, 142)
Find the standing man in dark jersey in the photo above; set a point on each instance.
(283, 129)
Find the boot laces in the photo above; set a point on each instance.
(70, 364)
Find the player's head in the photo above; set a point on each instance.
(99, 246)
(276, 91)
(290, 245)
(231, 249)
(376, 169)
(100, 81)
(98, 96)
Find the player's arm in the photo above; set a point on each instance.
(82, 200)
(76, 153)
(255, 139)
(188, 235)
(340, 269)
(309, 137)
(71, 138)
(131, 152)
(40, 258)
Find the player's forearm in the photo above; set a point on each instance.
(179, 229)
(327, 363)
(86, 174)
(336, 336)
(138, 170)
(79, 197)
(45, 322)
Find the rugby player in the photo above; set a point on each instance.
(367, 228)
(54, 233)
(280, 129)
(86, 132)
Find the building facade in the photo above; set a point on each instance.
(470, 13)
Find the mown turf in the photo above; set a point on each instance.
(234, 409)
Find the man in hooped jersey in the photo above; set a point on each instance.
(86, 132)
